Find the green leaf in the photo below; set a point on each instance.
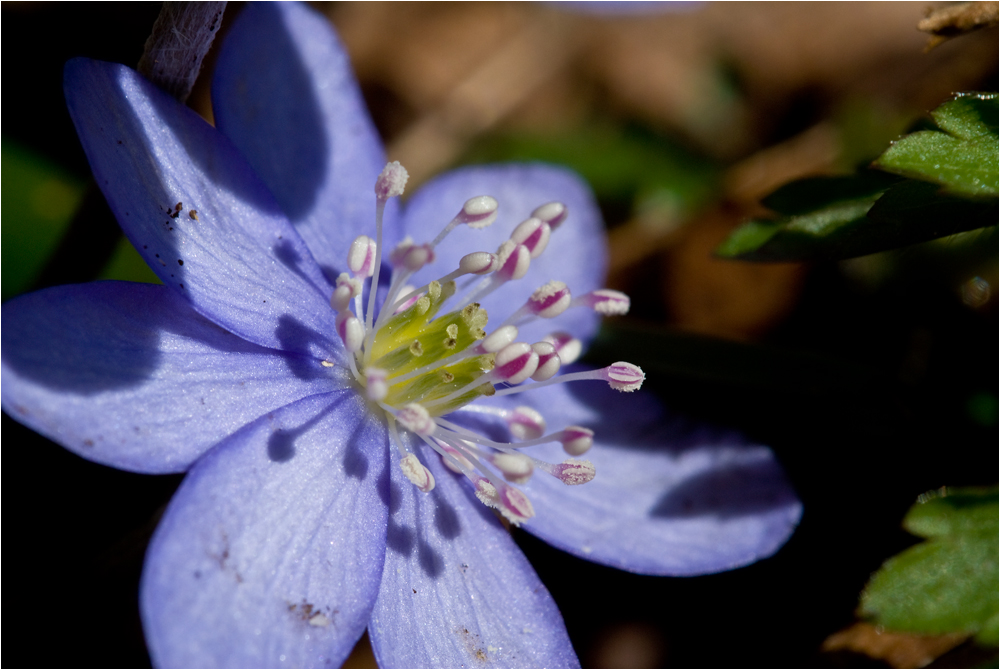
(854, 216)
(949, 582)
(39, 200)
(962, 157)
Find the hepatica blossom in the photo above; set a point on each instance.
(350, 452)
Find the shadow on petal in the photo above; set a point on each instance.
(744, 489)
(276, 99)
(295, 336)
(281, 442)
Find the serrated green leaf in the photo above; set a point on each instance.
(951, 511)
(808, 195)
(962, 159)
(829, 232)
(968, 115)
(908, 213)
(948, 583)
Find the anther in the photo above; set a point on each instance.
(361, 257)
(525, 423)
(568, 347)
(624, 376)
(577, 440)
(415, 418)
(534, 234)
(407, 302)
(417, 473)
(376, 386)
(411, 257)
(391, 182)
(498, 339)
(550, 300)
(605, 301)
(574, 472)
(478, 263)
(515, 259)
(516, 468)
(552, 213)
(548, 361)
(347, 288)
(515, 363)
(479, 212)
(351, 331)
(514, 505)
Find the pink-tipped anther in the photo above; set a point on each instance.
(415, 418)
(605, 301)
(417, 473)
(514, 260)
(479, 263)
(498, 339)
(515, 363)
(464, 464)
(347, 288)
(577, 440)
(514, 505)
(568, 347)
(391, 182)
(574, 472)
(516, 468)
(362, 256)
(525, 423)
(485, 491)
(351, 331)
(376, 383)
(624, 376)
(550, 300)
(534, 234)
(548, 361)
(552, 213)
(407, 290)
(479, 212)
(411, 257)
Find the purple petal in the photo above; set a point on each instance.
(283, 91)
(271, 552)
(456, 591)
(130, 376)
(240, 262)
(576, 254)
(669, 498)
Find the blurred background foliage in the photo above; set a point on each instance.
(873, 377)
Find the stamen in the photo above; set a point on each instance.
(548, 361)
(514, 261)
(478, 212)
(417, 473)
(515, 363)
(568, 347)
(571, 472)
(347, 289)
(415, 418)
(361, 256)
(411, 257)
(351, 331)
(621, 377)
(552, 213)
(605, 301)
(376, 386)
(498, 339)
(516, 468)
(390, 183)
(525, 423)
(534, 234)
(577, 440)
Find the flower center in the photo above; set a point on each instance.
(428, 354)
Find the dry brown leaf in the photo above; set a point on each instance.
(900, 650)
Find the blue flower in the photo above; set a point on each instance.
(313, 507)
